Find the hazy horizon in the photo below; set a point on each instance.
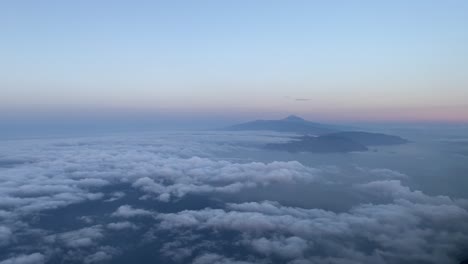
(367, 61)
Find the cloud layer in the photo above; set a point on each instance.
(122, 193)
(413, 228)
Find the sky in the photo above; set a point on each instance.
(323, 60)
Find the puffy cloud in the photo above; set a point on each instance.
(405, 226)
(115, 196)
(121, 225)
(201, 175)
(211, 258)
(104, 254)
(34, 258)
(85, 237)
(382, 173)
(387, 173)
(395, 190)
(414, 227)
(126, 211)
(290, 247)
(98, 257)
(48, 174)
(175, 250)
(86, 219)
(5, 235)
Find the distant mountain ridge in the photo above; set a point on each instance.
(325, 139)
(291, 123)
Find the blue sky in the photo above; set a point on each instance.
(347, 60)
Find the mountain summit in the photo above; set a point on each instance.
(291, 123)
(294, 118)
(319, 138)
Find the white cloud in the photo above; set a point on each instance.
(57, 173)
(47, 174)
(201, 175)
(414, 227)
(81, 238)
(115, 196)
(34, 258)
(409, 226)
(98, 257)
(288, 248)
(5, 235)
(211, 258)
(126, 211)
(121, 225)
